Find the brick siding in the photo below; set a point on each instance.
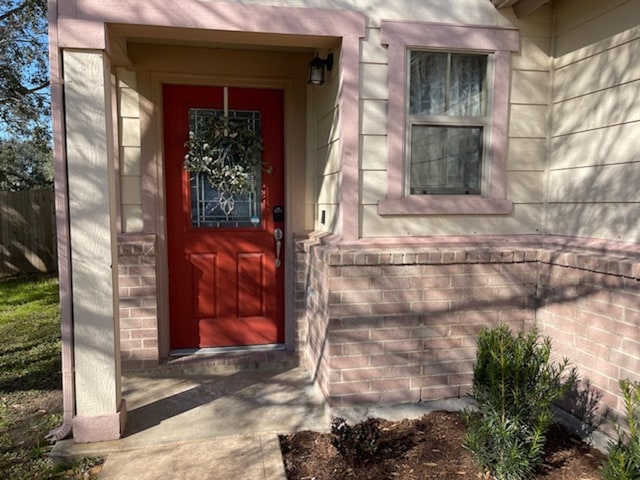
(387, 325)
(138, 305)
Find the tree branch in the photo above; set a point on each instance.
(9, 13)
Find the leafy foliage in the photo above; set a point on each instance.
(226, 153)
(25, 165)
(623, 461)
(24, 70)
(515, 383)
(358, 443)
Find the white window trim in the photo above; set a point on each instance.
(400, 37)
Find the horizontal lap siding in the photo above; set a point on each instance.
(593, 169)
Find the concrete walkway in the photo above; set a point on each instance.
(183, 425)
(213, 426)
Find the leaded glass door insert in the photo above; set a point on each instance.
(213, 207)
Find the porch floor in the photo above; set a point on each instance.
(195, 423)
(207, 425)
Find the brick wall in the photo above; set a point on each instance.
(590, 306)
(400, 324)
(138, 301)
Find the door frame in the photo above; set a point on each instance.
(294, 147)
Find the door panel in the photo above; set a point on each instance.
(224, 286)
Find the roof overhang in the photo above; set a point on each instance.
(521, 8)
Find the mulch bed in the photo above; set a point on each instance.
(427, 448)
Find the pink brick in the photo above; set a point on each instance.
(363, 348)
(144, 333)
(142, 291)
(592, 348)
(604, 308)
(392, 384)
(129, 302)
(143, 312)
(349, 388)
(430, 331)
(373, 272)
(469, 280)
(443, 294)
(432, 306)
(453, 269)
(390, 359)
(131, 344)
(149, 323)
(348, 283)
(347, 310)
(366, 296)
(429, 356)
(463, 354)
(435, 281)
(591, 320)
(129, 323)
(632, 317)
(390, 333)
(401, 321)
(128, 281)
(403, 345)
(402, 296)
(626, 299)
(441, 343)
(360, 323)
(402, 270)
(390, 308)
(460, 379)
(390, 283)
(142, 270)
(349, 336)
(348, 362)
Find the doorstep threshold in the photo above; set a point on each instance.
(182, 352)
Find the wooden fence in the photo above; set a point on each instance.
(27, 232)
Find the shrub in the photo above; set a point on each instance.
(357, 443)
(623, 462)
(514, 384)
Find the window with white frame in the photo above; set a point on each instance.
(446, 122)
(447, 135)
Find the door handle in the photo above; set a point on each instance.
(277, 234)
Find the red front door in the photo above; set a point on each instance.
(225, 280)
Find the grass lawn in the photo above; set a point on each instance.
(30, 380)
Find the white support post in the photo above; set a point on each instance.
(100, 410)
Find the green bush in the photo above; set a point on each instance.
(358, 443)
(514, 383)
(623, 462)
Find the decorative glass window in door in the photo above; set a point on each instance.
(225, 168)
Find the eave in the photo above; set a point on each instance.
(522, 8)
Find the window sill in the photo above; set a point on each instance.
(445, 205)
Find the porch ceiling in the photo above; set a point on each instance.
(216, 38)
(520, 7)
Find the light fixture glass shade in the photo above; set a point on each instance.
(316, 71)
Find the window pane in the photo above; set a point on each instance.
(467, 85)
(445, 160)
(428, 83)
(213, 208)
(447, 84)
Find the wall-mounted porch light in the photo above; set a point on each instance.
(316, 69)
